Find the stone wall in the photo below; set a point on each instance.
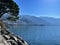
(8, 38)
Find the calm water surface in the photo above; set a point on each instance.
(38, 35)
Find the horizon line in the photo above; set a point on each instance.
(40, 16)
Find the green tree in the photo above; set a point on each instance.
(9, 7)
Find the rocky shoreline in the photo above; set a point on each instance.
(8, 38)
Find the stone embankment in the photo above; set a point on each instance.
(8, 38)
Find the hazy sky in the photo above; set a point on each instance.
(39, 7)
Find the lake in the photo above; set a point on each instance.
(38, 35)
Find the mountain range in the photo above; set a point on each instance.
(41, 21)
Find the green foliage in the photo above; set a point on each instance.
(10, 7)
(13, 19)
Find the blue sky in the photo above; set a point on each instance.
(50, 8)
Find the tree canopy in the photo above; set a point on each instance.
(10, 7)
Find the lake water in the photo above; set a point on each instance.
(38, 35)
